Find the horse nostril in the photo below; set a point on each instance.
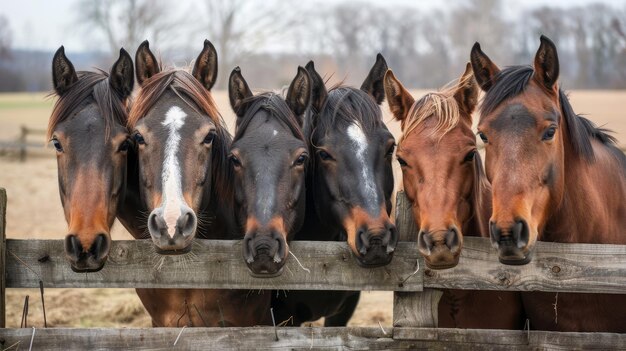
(187, 223)
(452, 239)
(424, 242)
(153, 225)
(495, 232)
(521, 233)
(73, 248)
(362, 241)
(100, 247)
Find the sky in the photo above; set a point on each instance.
(47, 24)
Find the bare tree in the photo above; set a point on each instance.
(128, 22)
(239, 28)
(6, 37)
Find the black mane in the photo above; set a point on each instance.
(276, 106)
(344, 106)
(513, 80)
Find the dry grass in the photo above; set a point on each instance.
(34, 211)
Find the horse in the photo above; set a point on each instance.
(444, 180)
(349, 189)
(87, 128)
(185, 179)
(269, 155)
(555, 177)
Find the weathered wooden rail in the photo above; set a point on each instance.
(323, 266)
(23, 143)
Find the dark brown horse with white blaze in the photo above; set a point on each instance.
(270, 155)
(185, 182)
(96, 162)
(555, 177)
(349, 186)
(445, 183)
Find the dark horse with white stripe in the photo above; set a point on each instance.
(555, 177)
(349, 189)
(95, 158)
(186, 184)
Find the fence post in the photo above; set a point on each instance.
(413, 309)
(23, 137)
(3, 248)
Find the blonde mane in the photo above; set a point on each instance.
(441, 105)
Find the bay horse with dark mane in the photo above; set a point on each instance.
(270, 156)
(555, 177)
(349, 189)
(186, 184)
(95, 158)
(445, 183)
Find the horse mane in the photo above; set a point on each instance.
(94, 85)
(191, 91)
(440, 105)
(345, 106)
(513, 80)
(275, 105)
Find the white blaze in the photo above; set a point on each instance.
(359, 140)
(172, 186)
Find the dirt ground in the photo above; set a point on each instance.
(34, 211)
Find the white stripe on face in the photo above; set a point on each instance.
(359, 140)
(172, 187)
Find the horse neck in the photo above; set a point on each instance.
(133, 212)
(592, 209)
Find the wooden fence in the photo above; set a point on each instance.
(324, 266)
(23, 143)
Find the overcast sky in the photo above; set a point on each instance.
(47, 24)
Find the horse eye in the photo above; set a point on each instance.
(402, 162)
(57, 145)
(235, 161)
(325, 156)
(470, 156)
(209, 138)
(549, 134)
(483, 137)
(300, 160)
(139, 139)
(391, 150)
(124, 146)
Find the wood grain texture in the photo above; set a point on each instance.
(3, 226)
(211, 264)
(416, 309)
(264, 338)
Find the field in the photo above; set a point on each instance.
(34, 211)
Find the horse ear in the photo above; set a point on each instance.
(547, 64)
(373, 83)
(319, 94)
(299, 93)
(146, 64)
(466, 94)
(398, 98)
(205, 68)
(122, 77)
(484, 69)
(238, 92)
(63, 72)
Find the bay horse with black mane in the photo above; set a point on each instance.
(269, 155)
(186, 184)
(349, 189)
(95, 158)
(555, 177)
(445, 183)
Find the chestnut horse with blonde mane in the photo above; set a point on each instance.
(445, 183)
(555, 177)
